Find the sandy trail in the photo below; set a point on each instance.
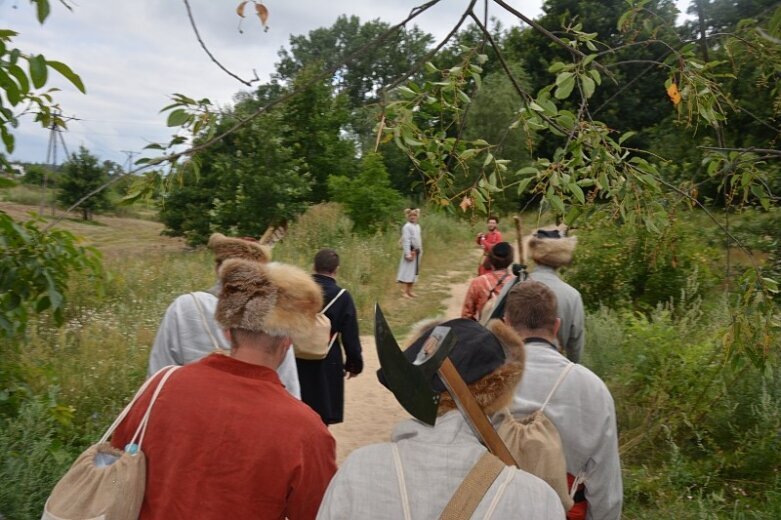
(370, 410)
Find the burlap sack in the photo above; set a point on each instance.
(91, 490)
(536, 446)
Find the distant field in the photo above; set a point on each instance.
(113, 236)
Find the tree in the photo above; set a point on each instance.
(248, 181)
(368, 198)
(81, 175)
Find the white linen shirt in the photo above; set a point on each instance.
(183, 338)
(583, 412)
(435, 460)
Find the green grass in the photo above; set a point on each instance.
(698, 433)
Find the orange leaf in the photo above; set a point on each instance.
(465, 203)
(262, 13)
(675, 96)
(240, 8)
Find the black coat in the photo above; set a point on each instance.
(322, 381)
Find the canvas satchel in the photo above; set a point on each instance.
(317, 345)
(535, 444)
(106, 483)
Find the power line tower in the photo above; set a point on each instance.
(55, 136)
(129, 160)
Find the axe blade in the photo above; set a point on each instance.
(411, 382)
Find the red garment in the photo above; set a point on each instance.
(225, 440)
(479, 290)
(487, 241)
(580, 509)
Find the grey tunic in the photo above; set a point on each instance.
(410, 239)
(572, 335)
(583, 412)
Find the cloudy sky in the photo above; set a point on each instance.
(133, 54)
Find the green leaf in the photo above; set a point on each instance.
(488, 158)
(68, 74)
(523, 185)
(575, 190)
(565, 88)
(178, 117)
(38, 69)
(430, 68)
(8, 139)
(11, 90)
(42, 9)
(588, 86)
(21, 78)
(564, 76)
(527, 170)
(626, 136)
(556, 203)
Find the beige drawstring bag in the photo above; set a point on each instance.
(106, 483)
(535, 444)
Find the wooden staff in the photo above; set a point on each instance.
(519, 238)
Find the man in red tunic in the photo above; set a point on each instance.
(487, 241)
(224, 438)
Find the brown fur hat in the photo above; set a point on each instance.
(553, 252)
(493, 391)
(275, 298)
(228, 247)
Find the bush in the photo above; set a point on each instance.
(368, 199)
(621, 265)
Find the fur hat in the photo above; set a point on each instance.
(550, 246)
(228, 247)
(491, 363)
(275, 298)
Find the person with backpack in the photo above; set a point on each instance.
(322, 380)
(419, 473)
(573, 398)
(551, 248)
(483, 290)
(188, 330)
(224, 439)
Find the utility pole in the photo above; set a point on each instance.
(55, 134)
(129, 160)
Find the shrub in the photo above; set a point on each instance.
(368, 199)
(620, 265)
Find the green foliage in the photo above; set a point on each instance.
(368, 198)
(248, 181)
(619, 265)
(82, 175)
(32, 459)
(35, 173)
(697, 434)
(35, 267)
(22, 74)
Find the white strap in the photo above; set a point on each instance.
(332, 302)
(331, 343)
(138, 437)
(580, 479)
(402, 483)
(205, 323)
(556, 386)
(499, 493)
(123, 414)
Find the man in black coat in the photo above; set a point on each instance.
(322, 381)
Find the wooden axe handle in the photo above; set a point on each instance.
(474, 414)
(519, 237)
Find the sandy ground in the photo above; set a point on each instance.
(370, 410)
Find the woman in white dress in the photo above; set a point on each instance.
(412, 248)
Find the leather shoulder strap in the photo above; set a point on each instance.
(473, 488)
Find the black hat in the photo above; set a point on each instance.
(501, 255)
(476, 353)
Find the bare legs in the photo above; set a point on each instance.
(407, 290)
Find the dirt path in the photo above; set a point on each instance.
(371, 411)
